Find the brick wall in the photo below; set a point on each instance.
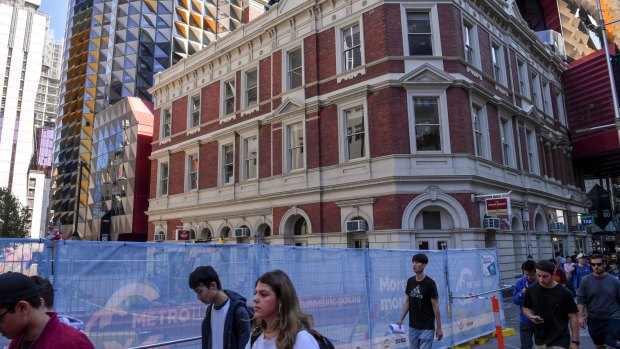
(328, 124)
(179, 115)
(264, 151)
(176, 170)
(276, 147)
(388, 122)
(207, 175)
(461, 131)
(451, 30)
(494, 134)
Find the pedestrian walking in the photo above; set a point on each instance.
(613, 268)
(24, 320)
(552, 308)
(46, 293)
(281, 322)
(422, 304)
(581, 269)
(569, 268)
(599, 292)
(559, 275)
(526, 327)
(227, 323)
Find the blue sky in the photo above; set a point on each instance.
(57, 10)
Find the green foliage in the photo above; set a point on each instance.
(14, 217)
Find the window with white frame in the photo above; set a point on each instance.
(427, 124)
(163, 178)
(537, 96)
(532, 151)
(294, 68)
(194, 111)
(250, 152)
(524, 86)
(353, 121)
(228, 164)
(295, 146)
(559, 101)
(547, 99)
(251, 88)
(497, 58)
(192, 172)
(507, 142)
(471, 42)
(479, 120)
(229, 97)
(166, 123)
(419, 33)
(351, 47)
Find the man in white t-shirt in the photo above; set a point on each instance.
(227, 311)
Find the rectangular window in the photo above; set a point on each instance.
(295, 68)
(194, 111)
(523, 88)
(351, 48)
(295, 146)
(506, 138)
(251, 88)
(166, 123)
(419, 33)
(559, 100)
(478, 130)
(532, 155)
(537, 97)
(228, 164)
(547, 99)
(192, 172)
(431, 220)
(356, 134)
(250, 151)
(427, 126)
(229, 97)
(496, 57)
(468, 31)
(163, 178)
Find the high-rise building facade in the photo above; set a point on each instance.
(112, 51)
(21, 62)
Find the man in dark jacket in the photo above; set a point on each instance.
(227, 322)
(526, 327)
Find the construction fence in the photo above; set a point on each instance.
(132, 294)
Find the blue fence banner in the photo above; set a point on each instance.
(132, 294)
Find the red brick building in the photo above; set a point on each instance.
(348, 123)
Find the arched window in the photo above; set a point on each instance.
(225, 232)
(300, 227)
(206, 234)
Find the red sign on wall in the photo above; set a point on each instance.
(183, 234)
(498, 207)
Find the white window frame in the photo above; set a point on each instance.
(191, 111)
(536, 91)
(163, 128)
(246, 96)
(286, 144)
(524, 81)
(340, 59)
(470, 42)
(435, 31)
(532, 151)
(245, 139)
(499, 62)
(225, 97)
(289, 69)
(507, 141)
(546, 90)
(222, 162)
(189, 159)
(480, 128)
(442, 109)
(344, 137)
(559, 100)
(160, 178)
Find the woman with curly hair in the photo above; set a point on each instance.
(281, 324)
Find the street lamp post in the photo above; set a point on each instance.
(614, 95)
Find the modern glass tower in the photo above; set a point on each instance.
(113, 48)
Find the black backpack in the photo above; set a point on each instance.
(324, 342)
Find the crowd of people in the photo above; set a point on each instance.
(558, 296)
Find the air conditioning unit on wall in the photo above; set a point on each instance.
(242, 232)
(491, 223)
(356, 225)
(556, 226)
(160, 237)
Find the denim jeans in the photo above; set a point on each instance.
(526, 334)
(420, 339)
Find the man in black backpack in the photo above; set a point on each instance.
(227, 321)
